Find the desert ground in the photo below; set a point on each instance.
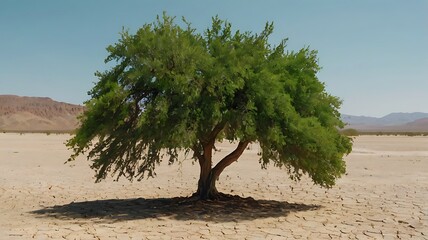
(384, 195)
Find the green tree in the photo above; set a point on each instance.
(173, 89)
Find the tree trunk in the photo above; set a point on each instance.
(206, 184)
(208, 176)
(206, 188)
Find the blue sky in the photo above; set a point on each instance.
(373, 53)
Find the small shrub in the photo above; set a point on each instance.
(350, 132)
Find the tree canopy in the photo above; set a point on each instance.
(173, 89)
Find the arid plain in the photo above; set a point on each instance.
(384, 195)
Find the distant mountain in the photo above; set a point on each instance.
(34, 114)
(38, 114)
(416, 121)
(359, 120)
(418, 125)
(402, 118)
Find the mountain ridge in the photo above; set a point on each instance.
(34, 114)
(398, 121)
(38, 114)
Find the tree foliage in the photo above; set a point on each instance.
(173, 89)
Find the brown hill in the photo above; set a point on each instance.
(420, 125)
(35, 114)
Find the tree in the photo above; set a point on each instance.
(173, 89)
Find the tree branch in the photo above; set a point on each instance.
(208, 143)
(197, 154)
(216, 130)
(229, 159)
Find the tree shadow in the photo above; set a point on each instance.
(179, 208)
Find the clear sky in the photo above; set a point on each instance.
(373, 53)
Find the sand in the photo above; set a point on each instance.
(384, 195)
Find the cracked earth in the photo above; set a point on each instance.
(383, 196)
